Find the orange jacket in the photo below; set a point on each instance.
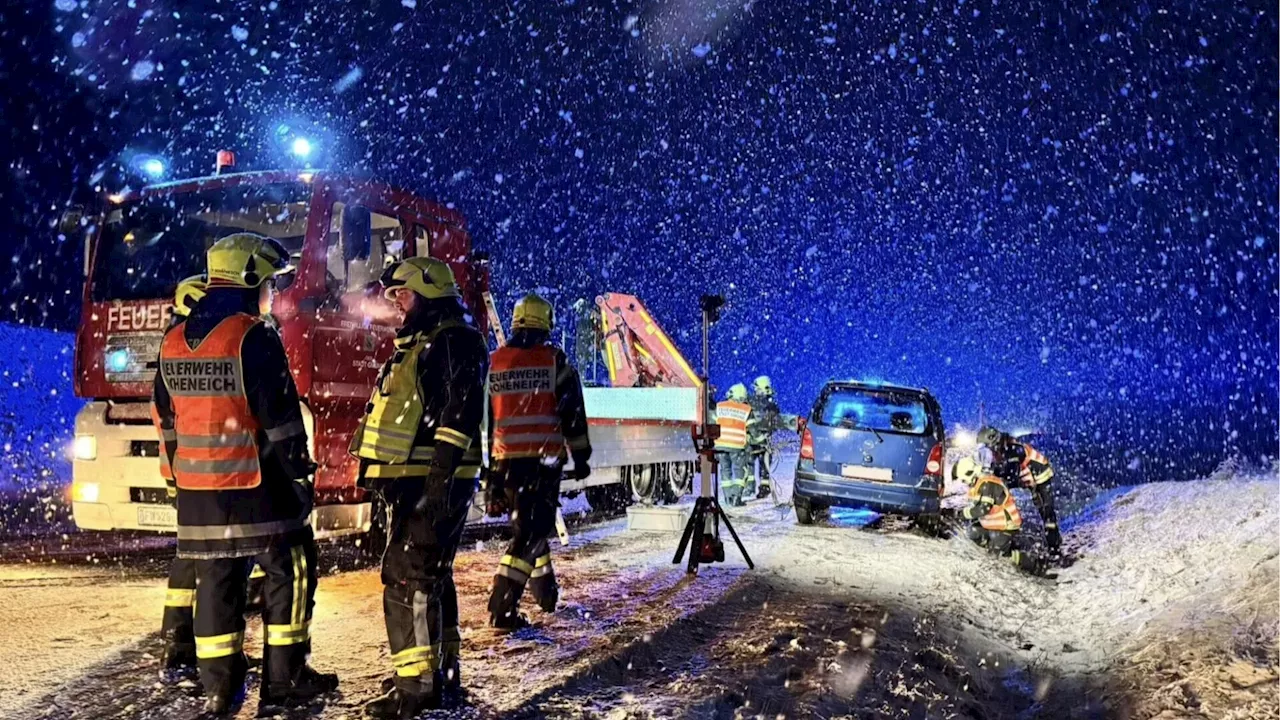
(522, 388)
(1001, 511)
(216, 432)
(731, 416)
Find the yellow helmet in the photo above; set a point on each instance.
(246, 260)
(189, 292)
(737, 391)
(427, 276)
(532, 313)
(967, 470)
(762, 385)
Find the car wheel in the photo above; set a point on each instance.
(930, 524)
(804, 514)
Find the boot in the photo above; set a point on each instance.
(764, 492)
(451, 670)
(219, 706)
(400, 704)
(509, 622)
(177, 665)
(306, 686)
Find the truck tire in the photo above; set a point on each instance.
(679, 481)
(647, 482)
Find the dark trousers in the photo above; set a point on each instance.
(177, 628)
(532, 491)
(1042, 497)
(760, 454)
(288, 602)
(1006, 544)
(419, 600)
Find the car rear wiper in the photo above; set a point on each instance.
(876, 433)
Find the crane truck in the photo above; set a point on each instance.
(337, 331)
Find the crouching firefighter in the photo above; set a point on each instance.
(536, 413)
(996, 522)
(1018, 464)
(231, 425)
(419, 448)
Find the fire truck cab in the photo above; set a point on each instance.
(335, 324)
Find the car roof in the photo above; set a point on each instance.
(874, 385)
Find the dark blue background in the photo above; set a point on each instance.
(1065, 213)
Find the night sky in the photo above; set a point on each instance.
(1068, 214)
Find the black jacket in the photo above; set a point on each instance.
(451, 372)
(240, 523)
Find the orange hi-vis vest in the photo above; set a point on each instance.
(522, 387)
(731, 416)
(1029, 477)
(217, 434)
(1003, 517)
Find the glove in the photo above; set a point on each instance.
(495, 500)
(581, 470)
(434, 502)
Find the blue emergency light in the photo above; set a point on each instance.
(117, 360)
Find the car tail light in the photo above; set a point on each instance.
(806, 445)
(934, 466)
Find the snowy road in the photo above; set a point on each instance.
(836, 620)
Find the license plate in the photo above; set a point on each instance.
(861, 472)
(158, 517)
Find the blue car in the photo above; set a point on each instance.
(875, 446)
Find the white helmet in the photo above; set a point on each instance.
(966, 469)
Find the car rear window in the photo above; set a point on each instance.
(871, 409)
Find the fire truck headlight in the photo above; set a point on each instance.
(84, 492)
(85, 447)
(301, 147)
(117, 360)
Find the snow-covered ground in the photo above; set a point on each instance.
(1171, 608)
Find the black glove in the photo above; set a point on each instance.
(434, 502)
(581, 470)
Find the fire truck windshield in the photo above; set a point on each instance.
(149, 244)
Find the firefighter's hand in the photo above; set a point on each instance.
(581, 470)
(434, 502)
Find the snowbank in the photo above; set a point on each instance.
(37, 418)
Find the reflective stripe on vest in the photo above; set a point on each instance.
(522, 387)
(731, 416)
(1029, 477)
(394, 414)
(1003, 517)
(215, 430)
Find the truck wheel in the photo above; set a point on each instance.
(804, 514)
(679, 480)
(645, 483)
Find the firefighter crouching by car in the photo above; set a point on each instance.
(419, 448)
(231, 427)
(1017, 463)
(537, 420)
(996, 523)
(733, 415)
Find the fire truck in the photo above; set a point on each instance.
(337, 331)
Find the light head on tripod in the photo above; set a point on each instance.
(711, 305)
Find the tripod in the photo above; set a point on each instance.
(703, 527)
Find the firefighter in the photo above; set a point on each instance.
(1017, 463)
(420, 451)
(178, 659)
(733, 415)
(537, 421)
(231, 426)
(766, 419)
(996, 523)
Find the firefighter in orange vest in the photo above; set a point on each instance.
(419, 448)
(996, 522)
(231, 426)
(1017, 463)
(536, 421)
(733, 414)
(178, 660)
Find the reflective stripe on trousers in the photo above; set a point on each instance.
(217, 646)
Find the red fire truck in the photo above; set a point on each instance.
(337, 329)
